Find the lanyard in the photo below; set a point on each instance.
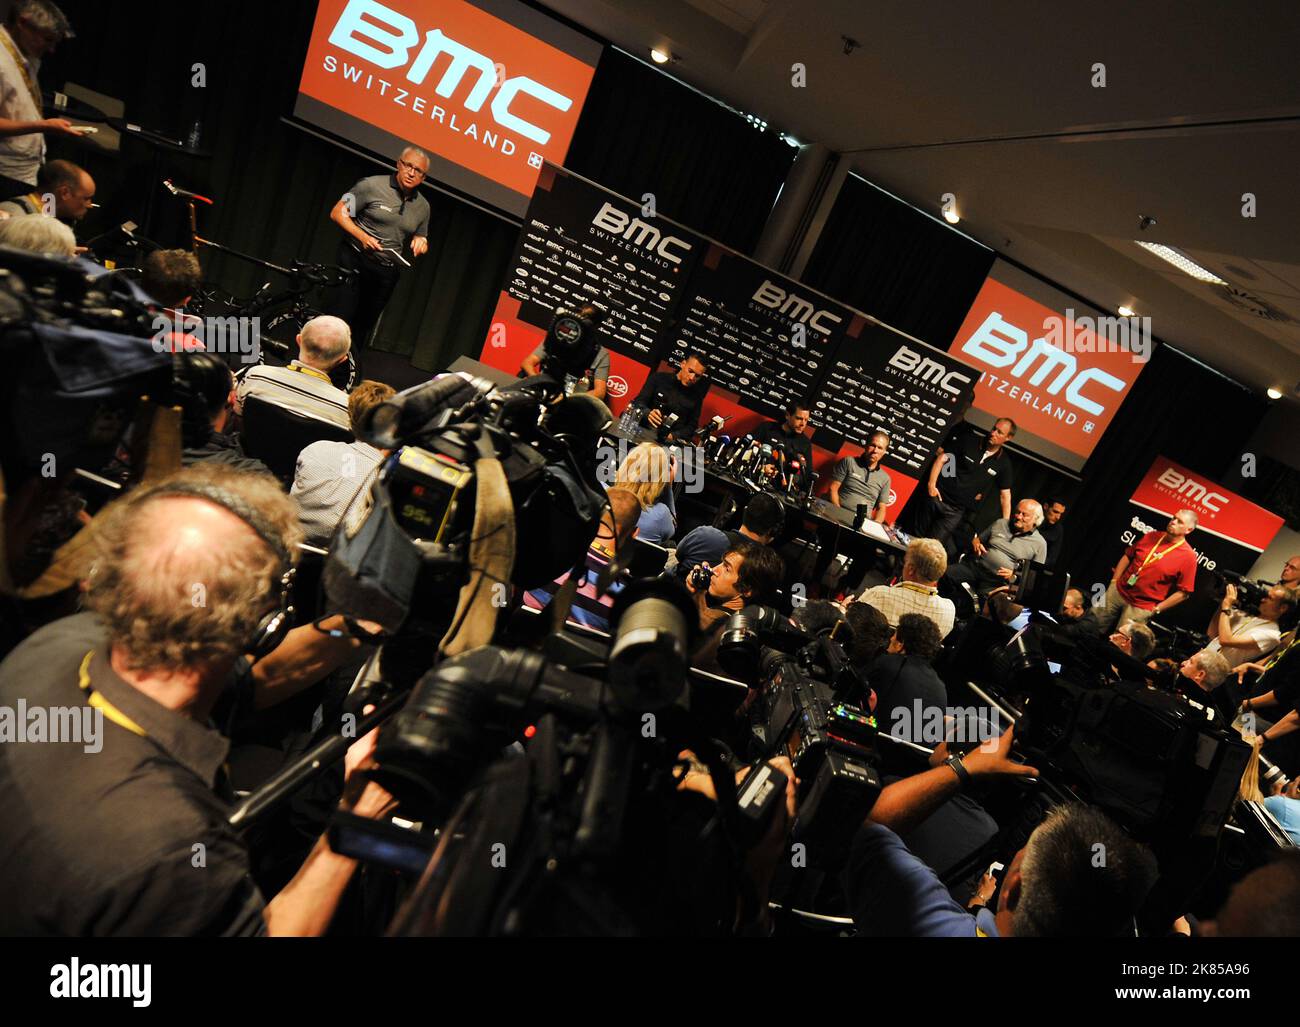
(304, 369)
(32, 87)
(1153, 554)
(100, 703)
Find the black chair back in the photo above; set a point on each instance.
(276, 435)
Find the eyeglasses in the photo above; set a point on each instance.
(406, 165)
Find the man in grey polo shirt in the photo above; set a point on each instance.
(1000, 546)
(380, 215)
(863, 482)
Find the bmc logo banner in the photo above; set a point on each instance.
(451, 79)
(1058, 378)
(1169, 487)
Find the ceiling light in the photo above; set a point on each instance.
(951, 216)
(660, 56)
(1274, 393)
(1127, 311)
(1182, 261)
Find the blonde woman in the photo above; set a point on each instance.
(648, 472)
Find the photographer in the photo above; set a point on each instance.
(1241, 638)
(192, 576)
(1053, 885)
(748, 574)
(763, 520)
(1134, 639)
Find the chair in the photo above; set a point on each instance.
(276, 435)
(648, 559)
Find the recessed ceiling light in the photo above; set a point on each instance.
(951, 216)
(1274, 393)
(1127, 311)
(1182, 261)
(660, 56)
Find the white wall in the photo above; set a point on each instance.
(1269, 564)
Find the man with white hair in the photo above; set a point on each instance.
(1000, 547)
(304, 385)
(36, 233)
(386, 222)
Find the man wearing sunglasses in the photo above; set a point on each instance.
(386, 222)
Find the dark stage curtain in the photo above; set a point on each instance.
(889, 260)
(708, 168)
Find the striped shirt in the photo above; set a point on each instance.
(328, 475)
(909, 597)
(296, 387)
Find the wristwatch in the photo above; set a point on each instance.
(955, 764)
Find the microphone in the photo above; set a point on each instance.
(176, 190)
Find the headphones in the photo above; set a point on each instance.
(272, 628)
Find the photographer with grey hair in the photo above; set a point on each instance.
(190, 582)
(304, 385)
(1000, 547)
(380, 216)
(32, 30)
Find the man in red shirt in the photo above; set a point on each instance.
(1154, 575)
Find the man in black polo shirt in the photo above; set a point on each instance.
(381, 215)
(130, 836)
(1052, 530)
(667, 395)
(789, 443)
(956, 487)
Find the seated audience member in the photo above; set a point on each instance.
(1241, 638)
(748, 574)
(1134, 639)
(172, 277)
(762, 522)
(36, 233)
(71, 187)
(100, 839)
(304, 385)
(1209, 672)
(923, 565)
(647, 472)
(1052, 530)
(871, 634)
(617, 529)
(1263, 904)
(1000, 547)
(206, 385)
(1284, 806)
(1053, 886)
(1076, 619)
(329, 474)
(904, 676)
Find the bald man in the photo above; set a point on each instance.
(304, 385)
(127, 833)
(385, 222)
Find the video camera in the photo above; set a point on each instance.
(808, 710)
(406, 546)
(1249, 593)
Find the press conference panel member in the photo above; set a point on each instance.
(679, 393)
(862, 481)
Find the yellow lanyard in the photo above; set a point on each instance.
(100, 703)
(1153, 555)
(32, 87)
(304, 369)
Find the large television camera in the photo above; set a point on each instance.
(808, 709)
(413, 540)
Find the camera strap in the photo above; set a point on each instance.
(491, 554)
